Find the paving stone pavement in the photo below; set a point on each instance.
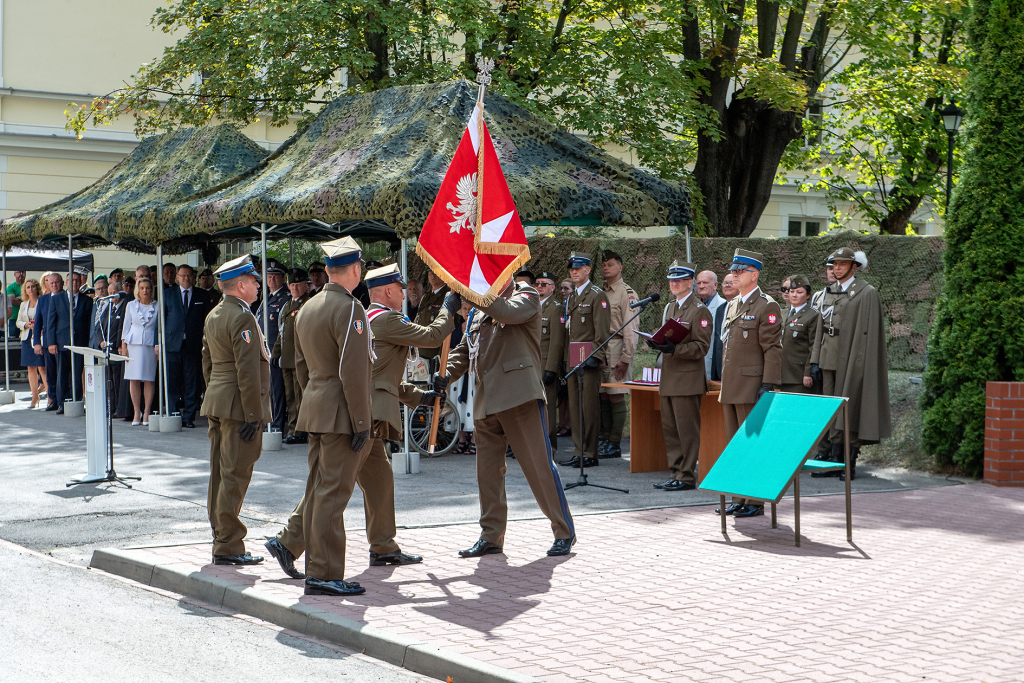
(930, 590)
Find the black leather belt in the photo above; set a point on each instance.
(831, 331)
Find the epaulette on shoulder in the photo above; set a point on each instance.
(766, 297)
(596, 289)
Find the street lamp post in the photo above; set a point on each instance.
(952, 116)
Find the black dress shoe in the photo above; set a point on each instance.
(750, 511)
(481, 548)
(341, 588)
(509, 453)
(575, 462)
(190, 424)
(291, 440)
(397, 557)
(611, 450)
(676, 485)
(729, 509)
(59, 411)
(284, 558)
(52, 407)
(664, 484)
(237, 559)
(602, 448)
(562, 546)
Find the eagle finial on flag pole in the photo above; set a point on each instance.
(473, 238)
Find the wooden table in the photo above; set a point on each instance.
(647, 440)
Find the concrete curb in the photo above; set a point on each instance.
(408, 653)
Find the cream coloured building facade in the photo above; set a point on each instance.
(57, 52)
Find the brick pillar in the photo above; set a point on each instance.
(1004, 433)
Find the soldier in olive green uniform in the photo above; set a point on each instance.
(849, 357)
(236, 367)
(393, 334)
(621, 348)
(683, 384)
(801, 325)
(752, 353)
(552, 347)
(587, 320)
(430, 306)
(501, 348)
(333, 357)
(284, 352)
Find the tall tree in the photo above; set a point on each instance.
(880, 147)
(977, 333)
(720, 84)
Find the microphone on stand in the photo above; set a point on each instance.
(649, 300)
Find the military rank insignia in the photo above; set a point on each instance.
(359, 326)
(246, 336)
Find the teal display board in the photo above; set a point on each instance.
(771, 445)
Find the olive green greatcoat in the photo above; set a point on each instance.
(236, 364)
(856, 353)
(393, 334)
(797, 342)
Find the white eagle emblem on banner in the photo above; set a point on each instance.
(465, 213)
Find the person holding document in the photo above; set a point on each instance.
(682, 383)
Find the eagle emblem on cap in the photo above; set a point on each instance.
(465, 213)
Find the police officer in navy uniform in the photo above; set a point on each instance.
(277, 296)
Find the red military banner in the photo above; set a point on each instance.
(474, 246)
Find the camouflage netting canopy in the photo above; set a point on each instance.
(377, 161)
(125, 206)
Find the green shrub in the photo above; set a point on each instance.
(978, 333)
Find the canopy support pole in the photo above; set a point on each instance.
(689, 259)
(291, 253)
(403, 265)
(7, 362)
(165, 400)
(265, 307)
(71, 309)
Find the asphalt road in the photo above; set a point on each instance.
(64, 623)
(41, 452)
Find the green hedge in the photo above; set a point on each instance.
(979, 330)
(906, 270)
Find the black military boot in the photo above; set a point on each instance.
(835, 456)
(854, 453)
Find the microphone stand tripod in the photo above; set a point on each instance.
(578, 370)
(111, 475)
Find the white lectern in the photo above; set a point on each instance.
(98, 425)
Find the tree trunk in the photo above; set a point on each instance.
(735, 173)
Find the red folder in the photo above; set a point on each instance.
(673, 330)
(578, 352)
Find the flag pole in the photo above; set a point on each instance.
(483, 77)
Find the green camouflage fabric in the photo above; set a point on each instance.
(125, 206)
(380, 158)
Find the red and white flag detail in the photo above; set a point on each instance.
(475, 261)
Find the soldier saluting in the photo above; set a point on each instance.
(849, 358)
(236, 367)
(752, 353)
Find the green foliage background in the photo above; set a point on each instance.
(979, 331)
(906, 271)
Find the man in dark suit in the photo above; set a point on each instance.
(185, 311)
(39, 338)
(277, 296)
(68, 312)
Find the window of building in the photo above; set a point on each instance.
(805, 227)
(813, 124)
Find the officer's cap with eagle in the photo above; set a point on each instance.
(385, 275)
(236, 268)
(341, 252)
(680, 270)
(743, 259)
(579, 258)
